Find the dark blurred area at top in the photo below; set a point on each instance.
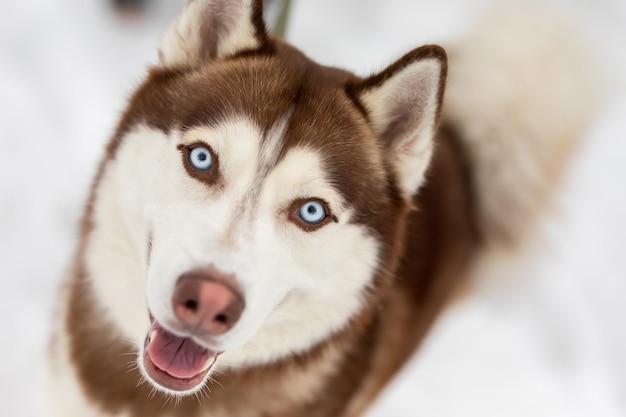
(276, 12)
(130, 5)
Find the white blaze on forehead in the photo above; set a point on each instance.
(273, 141)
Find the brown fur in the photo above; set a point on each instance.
(425, 256)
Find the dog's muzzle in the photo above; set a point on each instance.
(205, 304)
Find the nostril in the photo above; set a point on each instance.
(192, 305)
(221, 318)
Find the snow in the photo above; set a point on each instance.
(542, 334)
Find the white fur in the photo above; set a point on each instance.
(299, 286)
(62, 395)
(520, 91)
(183, 43)
(412, 91)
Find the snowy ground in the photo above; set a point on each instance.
(542, 335)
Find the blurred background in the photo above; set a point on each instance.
(542, 333)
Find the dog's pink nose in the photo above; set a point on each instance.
(205, 302)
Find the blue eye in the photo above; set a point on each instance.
(312, 212)
(200, 158)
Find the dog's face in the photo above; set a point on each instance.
(251, 198)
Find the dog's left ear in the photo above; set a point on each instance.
(403, 103)
(208, 30)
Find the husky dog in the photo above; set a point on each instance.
(268, 236)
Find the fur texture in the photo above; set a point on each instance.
(334, 307)
(522, 89)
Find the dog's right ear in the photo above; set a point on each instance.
(403, 103)
(207, 30)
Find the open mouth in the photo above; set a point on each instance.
(176, 363)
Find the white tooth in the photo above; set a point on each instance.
(153, 334)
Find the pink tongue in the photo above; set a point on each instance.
(179, 357)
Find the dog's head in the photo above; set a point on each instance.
(253, 198)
